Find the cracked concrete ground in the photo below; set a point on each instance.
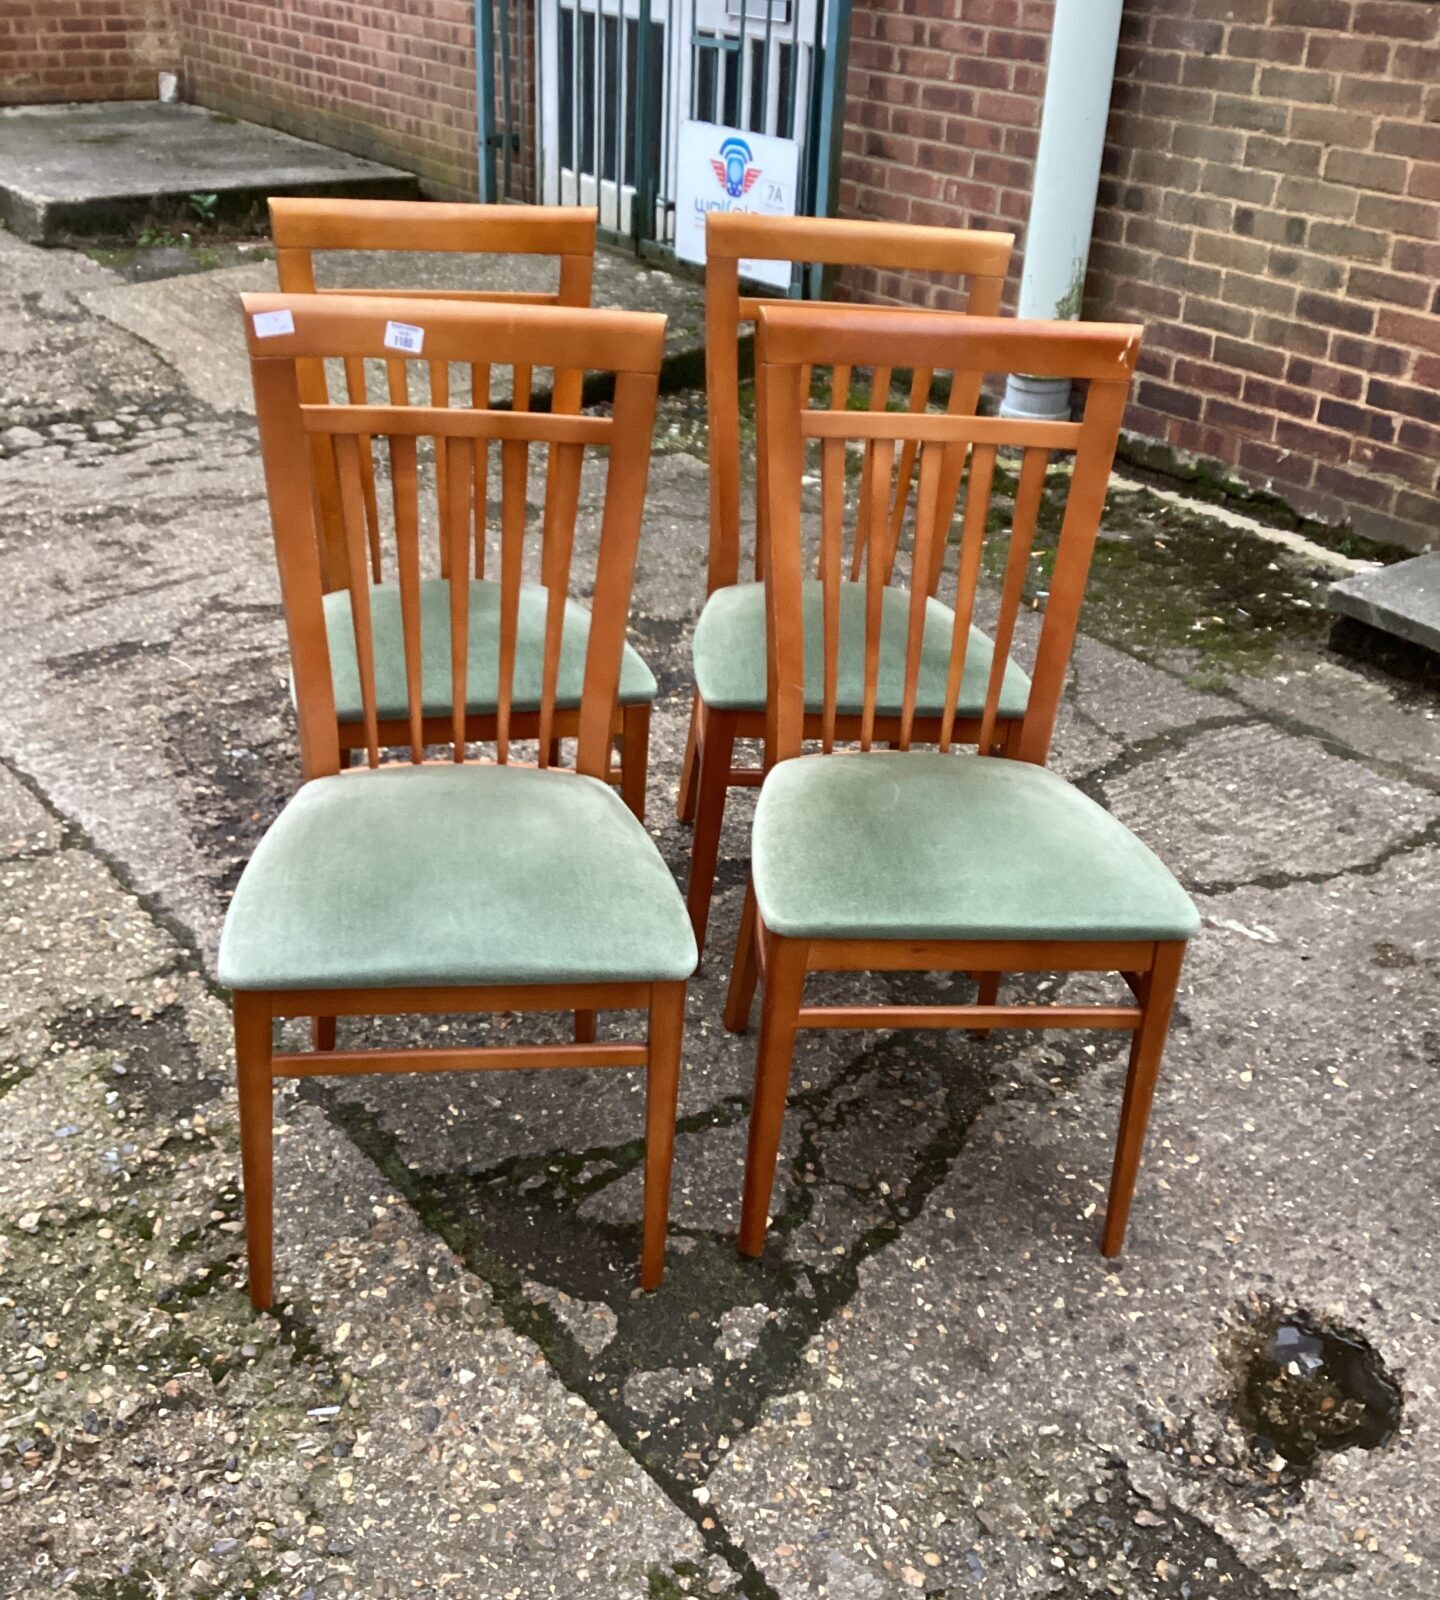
(932, 1383)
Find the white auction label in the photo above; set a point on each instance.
(402, 336)
(270, 324)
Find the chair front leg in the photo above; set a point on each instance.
(689, 768)
(253, 1049)
(662, 1088)
(1157, 1000)
(779, 1016)
(717, 751)
(634, 756)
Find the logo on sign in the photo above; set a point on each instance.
(735, 169)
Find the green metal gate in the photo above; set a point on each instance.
(581, 101)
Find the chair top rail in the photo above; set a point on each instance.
(323, 224)
(827, 335)
(841, 242)
(561, 337)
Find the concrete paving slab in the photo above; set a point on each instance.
(931, 1383)
(68, 170)
(1403, 600)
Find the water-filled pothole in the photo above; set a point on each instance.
(1308, 1386)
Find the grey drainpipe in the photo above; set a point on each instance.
(1067, 176)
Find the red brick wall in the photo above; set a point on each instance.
(1271, 206)
(84, 49)
(393, 83)
(943, 119)
(1270, 210)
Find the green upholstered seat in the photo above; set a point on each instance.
(637, 682)
(729, 653)
(454, 875)
(920, 845)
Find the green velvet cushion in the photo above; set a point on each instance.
(729, 653)
(637, 682)
(454, 875)
(920, 845)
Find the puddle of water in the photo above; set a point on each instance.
(1310, 1387)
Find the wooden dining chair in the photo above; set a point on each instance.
(729, 644)
(302, 228)
(440, 887)
(920, 858)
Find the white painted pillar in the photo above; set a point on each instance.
(1067, 176)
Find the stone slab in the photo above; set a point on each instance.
(1403, 600)
(193, 321)
(92, 169)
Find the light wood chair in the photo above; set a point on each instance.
(729, 644)
(301, 229)
(923, 859)
(456, 886)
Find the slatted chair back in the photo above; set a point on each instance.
(979, 259)
(954, 444)
(301, 227)
(286, 331)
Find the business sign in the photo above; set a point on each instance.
(726, 169)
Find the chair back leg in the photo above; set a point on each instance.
(689, 768)
(634, 757)
(662, 1087)
(745, 969)
(717, 751)
(779, 1017)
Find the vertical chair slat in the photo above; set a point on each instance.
(920, 381)
(565, 395)
(972, 545)
(480, 401)
(355, 391)
(562, 499)
(514, 465)
(926, 533)
(440, 396)
(839, 388)
(832, 516)
(875, 400)
(455, 532)
(352, 516)
(964, 391)
(1028, 493)
(875, 582)
(405, 493)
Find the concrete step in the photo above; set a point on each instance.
(1402, 600)
(71, 171)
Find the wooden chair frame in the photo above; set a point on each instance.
(791, 340)
(630, 345)
(301, 227)
(731, 238)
